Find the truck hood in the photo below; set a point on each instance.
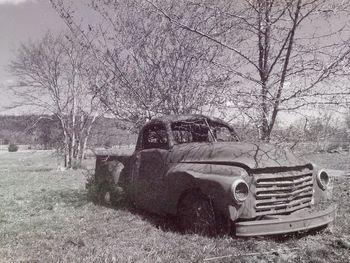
(249, 155)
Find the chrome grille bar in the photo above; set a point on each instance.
(307, 190)
(282, 192)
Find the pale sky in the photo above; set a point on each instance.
(20, 21)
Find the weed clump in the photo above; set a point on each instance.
(93, 188)
(103, 193)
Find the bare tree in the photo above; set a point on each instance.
(150, 66)
(281, 53)
(54, 75)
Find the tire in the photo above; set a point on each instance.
(196, 214)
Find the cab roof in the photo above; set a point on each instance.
(185, 117)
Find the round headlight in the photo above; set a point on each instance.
(322, 179)
(240, 190)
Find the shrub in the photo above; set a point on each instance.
(13, 147)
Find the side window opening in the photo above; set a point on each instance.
(155, 136)
(187, 131)
(198, 131)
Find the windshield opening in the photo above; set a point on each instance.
(201, 130)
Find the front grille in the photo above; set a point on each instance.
(285, 192)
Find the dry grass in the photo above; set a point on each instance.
(45, 217)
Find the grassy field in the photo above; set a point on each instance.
(45, 216)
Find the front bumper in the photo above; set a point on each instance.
(281, 224)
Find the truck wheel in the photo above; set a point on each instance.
(196, 214)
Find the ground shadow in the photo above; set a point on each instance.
(165, 223)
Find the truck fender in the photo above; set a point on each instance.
(181, 183)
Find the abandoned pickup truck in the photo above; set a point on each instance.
(195, 168)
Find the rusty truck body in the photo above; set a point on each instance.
(196, 168)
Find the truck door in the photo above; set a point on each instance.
(151, 163)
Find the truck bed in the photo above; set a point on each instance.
(110, 164)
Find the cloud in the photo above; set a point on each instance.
(13, 2)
